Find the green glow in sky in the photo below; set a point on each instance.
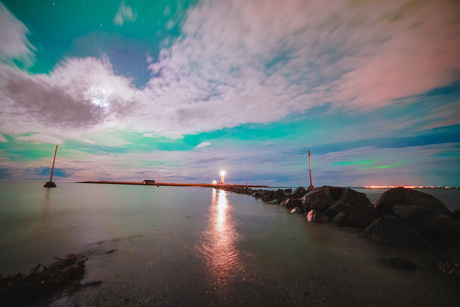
(128, 88)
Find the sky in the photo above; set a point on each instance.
(130, 90)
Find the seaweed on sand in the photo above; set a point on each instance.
(36, 288)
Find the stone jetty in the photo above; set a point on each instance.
(401, 218)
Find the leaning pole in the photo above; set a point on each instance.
(51, 184)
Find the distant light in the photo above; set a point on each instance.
(222, 173)
(214, 182)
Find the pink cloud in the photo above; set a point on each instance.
(419, 54)
(13, 38)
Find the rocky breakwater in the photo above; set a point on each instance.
(401, 218)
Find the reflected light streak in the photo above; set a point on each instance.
(219, 247)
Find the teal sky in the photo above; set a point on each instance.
(133, 89)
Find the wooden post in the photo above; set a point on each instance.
(51, 184)
(309, 167)
(54, 160)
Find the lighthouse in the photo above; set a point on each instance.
(222, 177)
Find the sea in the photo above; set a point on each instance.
(191, 246)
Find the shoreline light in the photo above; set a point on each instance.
(404, 186)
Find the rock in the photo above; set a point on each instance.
(340, 219)
(268, 196)
(297, 210)
(426, 221)
(257, 194)
(456, 214)
(362, 217)
(292, 203)
(336, 192)
(288, 191)
(389, 230)
(355, 199)
(408, 197)
(401, 264)
(273, 202)
(448, 242)
(317, 199)
(298, 193)
(238, 190)
(317, 217)
(338, 206)
(280, 195)
(450, 264)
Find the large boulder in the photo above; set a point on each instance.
(355, 198)
(400, 264)
(268, 196)
(280, 195)
(336, 192)
(450, 264)
(298, 193)
(239, 190)
(389, 230)
(340, 219)
(317, 199)
(315, 216)
(408, 197)
(456, 214)
(362, 217)
(339, 206)
(257, 194)
(447, 242)
(426, 221)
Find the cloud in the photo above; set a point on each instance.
(125, 13)
(203, 145)
(3, 139)
(13, 39)
(40, 138)
(78, 96)
(260, 61)
(415, 52)
(239, 62)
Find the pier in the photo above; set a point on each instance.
(158, 184)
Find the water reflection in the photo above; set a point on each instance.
(46, 203)
(219, 247)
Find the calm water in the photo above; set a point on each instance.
(198, 246)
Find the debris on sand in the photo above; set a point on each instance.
(41, 286)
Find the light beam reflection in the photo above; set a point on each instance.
(219, 247)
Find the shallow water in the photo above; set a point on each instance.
(198, 246)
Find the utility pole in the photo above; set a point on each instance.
(51, 184)
(311, 187)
